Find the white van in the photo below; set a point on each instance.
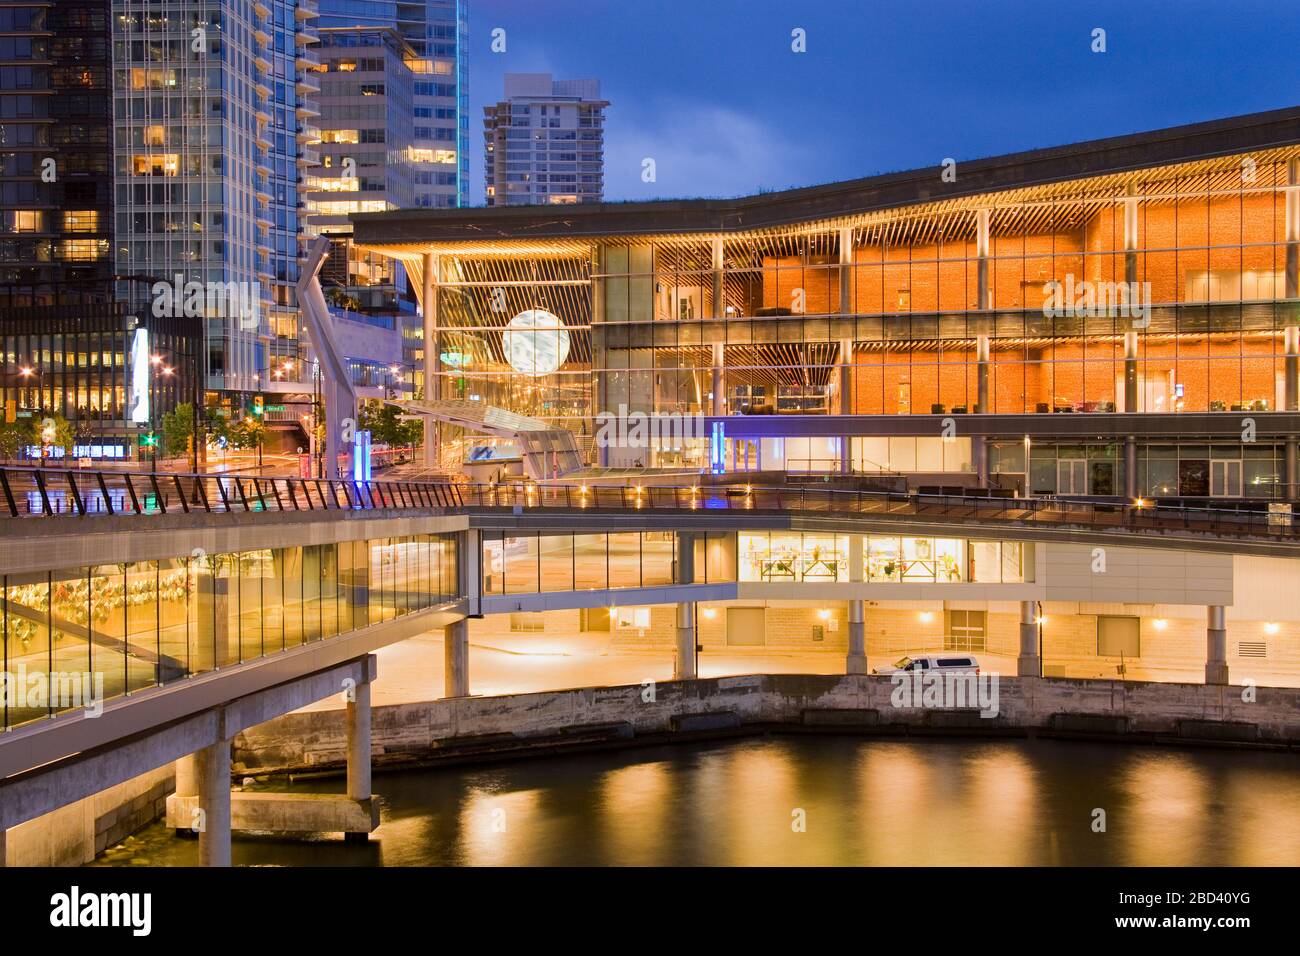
(953, 663)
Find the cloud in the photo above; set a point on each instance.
(699, 151)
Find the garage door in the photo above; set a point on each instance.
(745, 626)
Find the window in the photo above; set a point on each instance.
(631, 618)
(81, 220)
(1118, 636)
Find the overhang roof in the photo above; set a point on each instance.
(404, 231)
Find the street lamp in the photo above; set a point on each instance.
(26, 372)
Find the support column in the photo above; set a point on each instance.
(1292, 468)
(846, 271)
(431, 357)
(358, 726)
(684, 658)
(1130, 371)
(1130, 467)
(1292, 229)
(719, 294)
(857, 659)
(982, 365)
(1216, 645)
(1131, 238)
(719, 382)
(982, 254)
(1291, 387)
(212, 779)
(1028, 664)
(846, 403)
(455, 657)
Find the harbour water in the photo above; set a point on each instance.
(815, 800)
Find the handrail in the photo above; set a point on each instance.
(27, 492)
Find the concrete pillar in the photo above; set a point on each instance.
(455, 656)
(982, 366)
(431, 356)
(1291, 388)
(1130, 467)
(846, 271)
(684, 658)
(212, 778)
(1131, 371)
(1216, 645)
(982, 247)
(719, 381)
(358, 724)
(719, 295)
(857, 659)
(1293, 229)
(1028, 664)
(1292, 468)
(979, 450)
(1131, 236)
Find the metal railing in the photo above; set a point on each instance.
(49, 492)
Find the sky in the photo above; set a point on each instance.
(712, 91)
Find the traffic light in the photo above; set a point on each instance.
(259, 409)
(149, 440)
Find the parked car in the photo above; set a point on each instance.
(945, 663)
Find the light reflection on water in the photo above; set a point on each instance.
(866, 802)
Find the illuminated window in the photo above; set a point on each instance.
(82, 250)
(339, 136)
(26, 220)
(162, 164)
(81, 220)
(155, 136)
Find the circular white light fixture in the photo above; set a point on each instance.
(535, 342)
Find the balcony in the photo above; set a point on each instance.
(307, 83)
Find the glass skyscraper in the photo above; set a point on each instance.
(437, 31)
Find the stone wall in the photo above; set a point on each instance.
(1178, 711)
(77, 833)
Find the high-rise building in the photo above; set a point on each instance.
(212, 119)
(545, 142)
(67, 347)
(437, 32)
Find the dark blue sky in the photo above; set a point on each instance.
(711, 90)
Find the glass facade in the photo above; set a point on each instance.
(778, 557)
(124, 627)
(532, 564)
(1162, 291)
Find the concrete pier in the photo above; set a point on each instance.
(856, 662)
(456, 659)
(212, 776)
(1028, 664)
(1216, 645)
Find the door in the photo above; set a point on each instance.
(965, 631)
(1225, 477)
(1072, 476)
(745, 627)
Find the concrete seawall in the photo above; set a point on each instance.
(479, 727)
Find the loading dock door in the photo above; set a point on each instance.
(745, 627)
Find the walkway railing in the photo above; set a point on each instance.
(50, 492)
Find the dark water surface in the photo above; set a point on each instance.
(865, 802)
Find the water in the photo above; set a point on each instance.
(865, 802)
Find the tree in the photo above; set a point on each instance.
(14, 437)
(56, 432)
(248, 433)
(341, 298)
(386, 427)
(177, 427)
